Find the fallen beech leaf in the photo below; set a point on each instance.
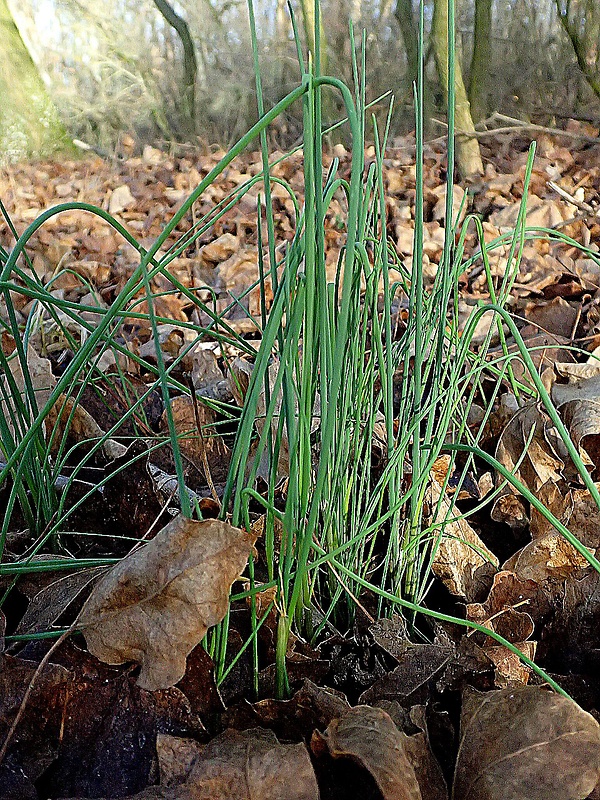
(526, 744)
(107, 728)
(540, 212)
(235, 766)
(156, 604)
(529, 431)
(577, 401)
(510, 510)
(540, 464)
(221, 249)
(556, 316)
(203, 447)
(462, 561)
(42, 381)
(505, 610)
(509, 668)
(253, 764)
(368, 735)
(410, 682)
(68, 418)
(53, 600)
(550, 556)
(120, 199)
(176, 758)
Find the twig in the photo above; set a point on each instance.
(519, 126)
(569, 198)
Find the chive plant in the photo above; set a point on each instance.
(360, 381)
(329, 362)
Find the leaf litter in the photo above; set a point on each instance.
(136, 712)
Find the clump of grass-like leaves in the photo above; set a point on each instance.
(358, 385)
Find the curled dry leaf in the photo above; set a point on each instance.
(156, 604)
(577, 399)
(510, 610)
(68, 417)
(529, 432)
(53, 600)
(462, 561)
(42, 381)
(550, 557)
(199, 441)
(233, 766)
(509, 669)
(526, 744)
(505, 610)
(370, 737)
(540, 464)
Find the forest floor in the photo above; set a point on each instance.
(371, 714)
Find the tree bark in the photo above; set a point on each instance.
(190, 64)
(480, 61)
(308, 18)
(579, 45)
(468, 155)
(29, 122)
(410, 35)
(405, 18)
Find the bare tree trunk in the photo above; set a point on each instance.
(468, 156)
(410, 37)
(308, 16)
(281, 36)
(29, 121)
(579, 43)
(190, 64)
(480, 61)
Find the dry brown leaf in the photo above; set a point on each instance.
(550, 556)
(169, 340)
(42, 380)
(509, 668)
(540, 464)
(458, 206)
(530, 432)
(39, 730)
(540, 213)
(253, 764)
(176, 758)
(204, 448)
(120, 199)
(368, 735)
(234, 766)
(239, 271)
(578, 402)
(462, 561)
(156, 604)
(67, 417)
(509, 509)
(526, 744)
(53, 600)
(221, 249)
(505, 610)
(557, 316)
